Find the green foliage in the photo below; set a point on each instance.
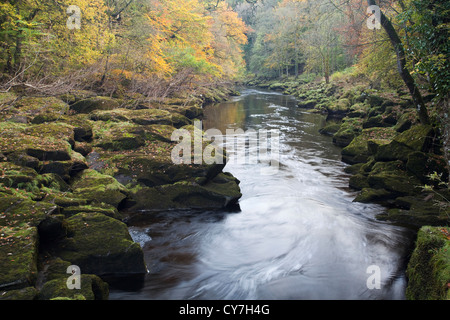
(426, 31)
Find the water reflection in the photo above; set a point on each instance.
(299, 235)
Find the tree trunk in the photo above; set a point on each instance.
(401, 65)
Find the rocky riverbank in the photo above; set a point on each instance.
(73, 166)
(393, 160)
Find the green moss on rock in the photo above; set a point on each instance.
(94, 186)
(221, 192)
(28, 293)
(361, 147)
(418, 138)
(429, 267)
(350, 128)
(18, 257)
(398, 182)
(89, 105)
(369, 195)
(330, 129)
(92, 288)
(101, 245)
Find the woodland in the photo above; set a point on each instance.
(91, 91)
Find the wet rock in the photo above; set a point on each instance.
(221, 192)
(369, 195)
(152, 172)
(330, 129)
(101, 245)
(358, 182)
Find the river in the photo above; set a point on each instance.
(298, 233)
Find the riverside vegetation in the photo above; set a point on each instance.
(86, 116)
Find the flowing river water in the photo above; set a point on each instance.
(298, 233)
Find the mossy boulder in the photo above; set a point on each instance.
(142, 117)
(330, 129)
(370, 195)
(83, 148)
(398, 182)
(221, 192)
(375, 121)
(49, 142)
(77, 95)
(91, 104)
(375, 100)
(103, 208)
(406, 121)
(101, 245)
(307, 104)
(94, 186)
(417, 211)
(418, 138)
(28, 293)
(421, 165)
(152, 172)
(18, 256)
(358, 181)
(358, 110)
(92, 288)
(365, 144)
(350, 128)
(190, 110)
(20, 158)
(36, 110)
(428, 270)
(339, 107)
(16, 176)
(120, 136)
(21, 211)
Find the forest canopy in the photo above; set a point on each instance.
(146, 43)
(155, 46)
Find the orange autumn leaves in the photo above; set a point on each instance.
(185, 35)
(137, 41)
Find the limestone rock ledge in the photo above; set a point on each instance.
(67, 172)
